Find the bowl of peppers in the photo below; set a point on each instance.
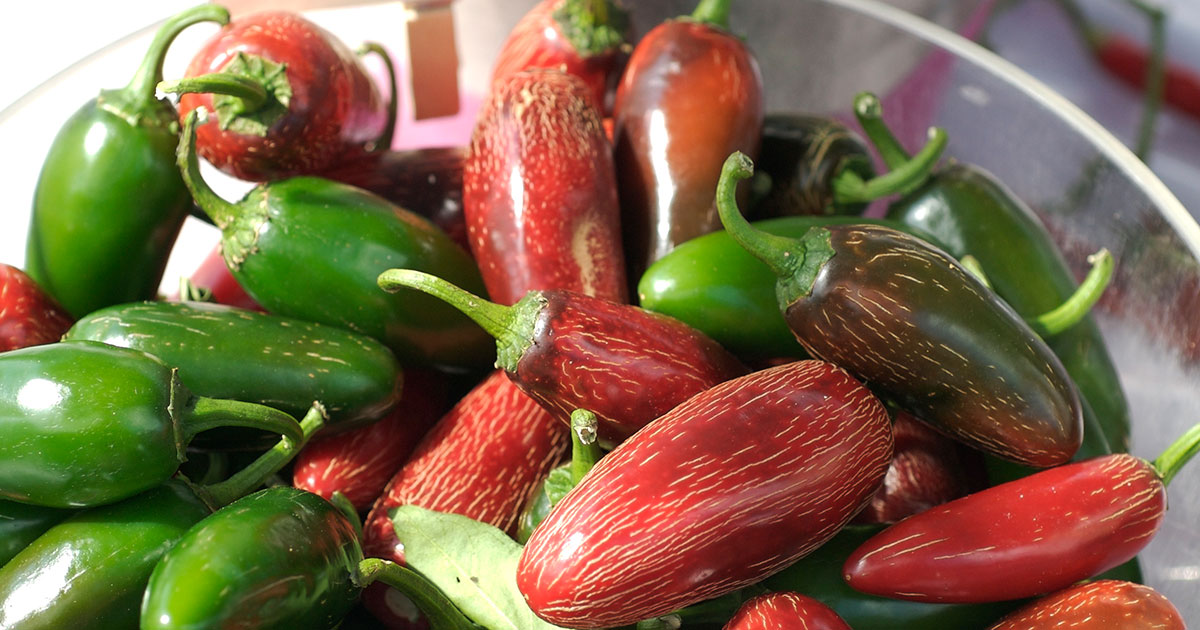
(685, 314)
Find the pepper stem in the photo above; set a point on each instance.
(1077, 307)
(142, 86)
(585, 449)
(200, 413)
(248, 93)
(220, 211)
(869, 112)
(438, 609)
(493, 318)
(384, 141)
(592, 27)
(849, 188)
(713, 13)
(1177, 454)
(267, 464)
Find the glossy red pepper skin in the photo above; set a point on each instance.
(426, 181)
(691, 95)
(335, 109)
(1099, 605)
(927, 469)
(1128, 60)
(1019, 539)
(785, 611)
(28, 315)
(481, 460)
(540, 192)
(727, 488)
(360, 462)
(544, 38)
(625, 364)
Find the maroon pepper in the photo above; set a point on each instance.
(571, 351)
(1026, 537)
(584, 38)
(1099, 605)
(785, 610)
(28, 315)
(539, 192)
(360, 462)
(725, 489)
(290, 99)
(691, 94)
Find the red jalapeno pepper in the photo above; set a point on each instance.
(725, 489)
(28, 315)
(572, 351)
(691, 94)
(1099, 605)
(774, 611)
(539, 191)
(1025, 537)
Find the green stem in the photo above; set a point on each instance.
(142, 86)
(494, 318)
(713, 13)
(975, 268)
(384, 141)
(1156, 78)
(438, 609)
(222, 212)
(249, 94)
(189, 292)
(585, 449)
(849, 188)
(1177, 454)
(592, 27)
(201, 413)
(1077, 307)
(267, 464)
(869, 112)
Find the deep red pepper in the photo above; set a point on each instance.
(782, 611)
(319, 104)
(1099, 605)
(571, 351)
(539, 191)
(426, 181)
(481, 460)
(725, 489)
(584, 38)
(1023, 538)
(28, 315)
(691, 94)
(359, 463)
(927, 469)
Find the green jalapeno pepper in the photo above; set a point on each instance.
(227, 352)
(971, 212)
(91, 570)
(311, 248)
(83, 423)
(21, 524)
(279, 558)
(109, 202)
(714, 285)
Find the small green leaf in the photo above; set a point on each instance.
(473, 563)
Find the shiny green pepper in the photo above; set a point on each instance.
(109, 202)
(83, 423)
(21, 524)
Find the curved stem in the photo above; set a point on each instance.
(493, 318)
(849, 188)
(766, 247)
(202, 413)
(384, 141)
(438, 609)
(585, 449)
(1077, 307)
(250, 94)
(267, 464)
(190, 292)
(713, 13)
(1178, 454)
(869, 112)
(221, 211)
(149, 73)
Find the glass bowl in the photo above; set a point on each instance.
(816, 55)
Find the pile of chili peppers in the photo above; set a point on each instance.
(697, 394)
